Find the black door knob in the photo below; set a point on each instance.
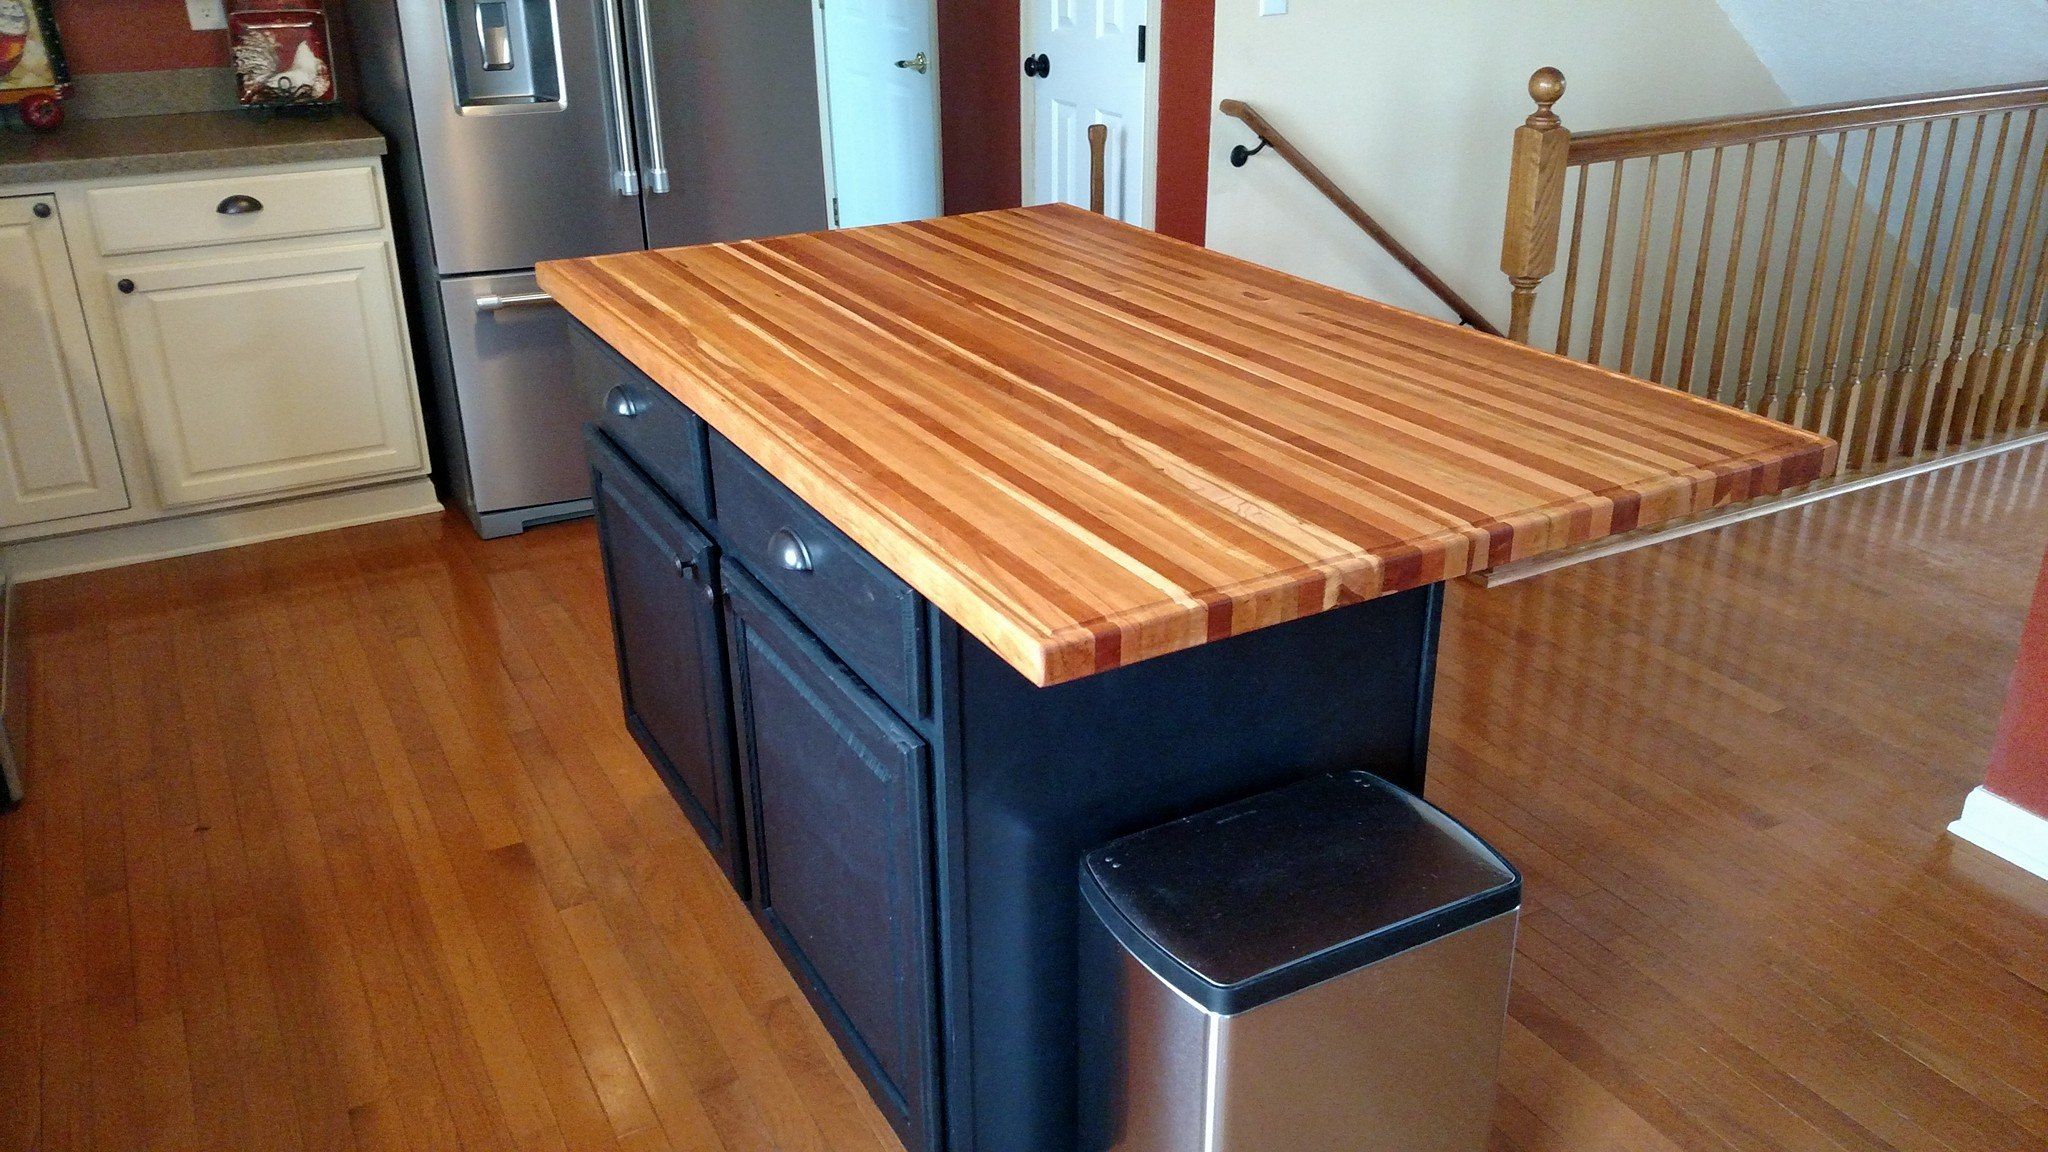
(1038, 67)
(126, 286)
(42, 211)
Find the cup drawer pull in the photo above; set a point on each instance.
(238, 205)
(789, 551)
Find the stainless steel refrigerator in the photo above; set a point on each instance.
(530, 130)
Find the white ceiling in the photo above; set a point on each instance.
(1826, 50)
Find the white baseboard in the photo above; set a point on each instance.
(2005, 830)
(227, 528)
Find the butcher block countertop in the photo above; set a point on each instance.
(1089, 445)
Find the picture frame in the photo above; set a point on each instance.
(34, 76)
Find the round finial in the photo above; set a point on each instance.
(1546, 87)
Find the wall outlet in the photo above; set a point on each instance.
(206, 14)
(1272, 7)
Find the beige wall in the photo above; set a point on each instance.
(1409, 104)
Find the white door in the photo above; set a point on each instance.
(882, 100)
(1095, 73)
(257, 374)
(57, 455)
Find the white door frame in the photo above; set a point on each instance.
(1148, 172)
(938, 68)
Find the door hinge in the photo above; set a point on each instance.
(835, 211)
(1141, 40)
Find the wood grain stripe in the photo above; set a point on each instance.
(1090, 445)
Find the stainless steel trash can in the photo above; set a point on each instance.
(1318, 968)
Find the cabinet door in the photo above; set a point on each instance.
(257, 374)
(57, 455)
(837, 804)
(666, 625)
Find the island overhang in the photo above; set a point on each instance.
(1088, 444)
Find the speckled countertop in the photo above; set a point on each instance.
(184, 142)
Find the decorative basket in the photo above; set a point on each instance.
(282, 52)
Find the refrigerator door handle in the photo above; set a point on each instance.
(625, 177)
(655, 163)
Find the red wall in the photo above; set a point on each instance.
(2019, 763)
(134, 36)
(982, 48)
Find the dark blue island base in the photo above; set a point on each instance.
(904, 812)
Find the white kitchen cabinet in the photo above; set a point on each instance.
(264, 372)
(57, 454)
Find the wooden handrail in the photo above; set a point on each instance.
(1818, 119)
(1271, 137)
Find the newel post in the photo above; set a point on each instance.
(1528, 250)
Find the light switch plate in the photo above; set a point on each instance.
(1272, 7)
(205, 15)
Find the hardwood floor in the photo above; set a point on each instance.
(338, 842)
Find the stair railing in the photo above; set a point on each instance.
(1270, 137)
(1875, 271)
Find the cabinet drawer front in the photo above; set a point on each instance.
(870, 617)
(837, 799)
(661, 572)
(259, 206)
(662, 437)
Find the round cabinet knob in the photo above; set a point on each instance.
(41, 211)
(789, 551)
(621, 402)
(126, 286)
(687, 569)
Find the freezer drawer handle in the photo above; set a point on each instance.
(494, 303)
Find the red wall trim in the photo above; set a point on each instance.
(2019, 761)
(981, 55)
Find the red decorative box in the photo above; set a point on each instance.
(282, 53)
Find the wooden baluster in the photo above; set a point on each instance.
(1955, 368)
(2009, 397)
(1635, 284)
(1932, 371)
(1717, 384)
(1988, 388)
(1699, 276)
(1800, 369)
(1795, 250)
(1660, 350)
(1571, 267)
(1872, 380)
(1974, 377)
(1098, 164)
(2030, 390)
(1750, 394)
(1837, 400)
(1883, 395)
(1911, 373)
(1542, 150)
(1597, 341)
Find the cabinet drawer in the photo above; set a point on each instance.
(652, 426)
(870, 617)
(837, 806)
(258, 206)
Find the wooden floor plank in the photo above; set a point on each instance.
(339, 842)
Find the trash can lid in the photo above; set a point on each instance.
(1244, 904)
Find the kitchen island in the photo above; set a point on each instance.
(940, 553)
